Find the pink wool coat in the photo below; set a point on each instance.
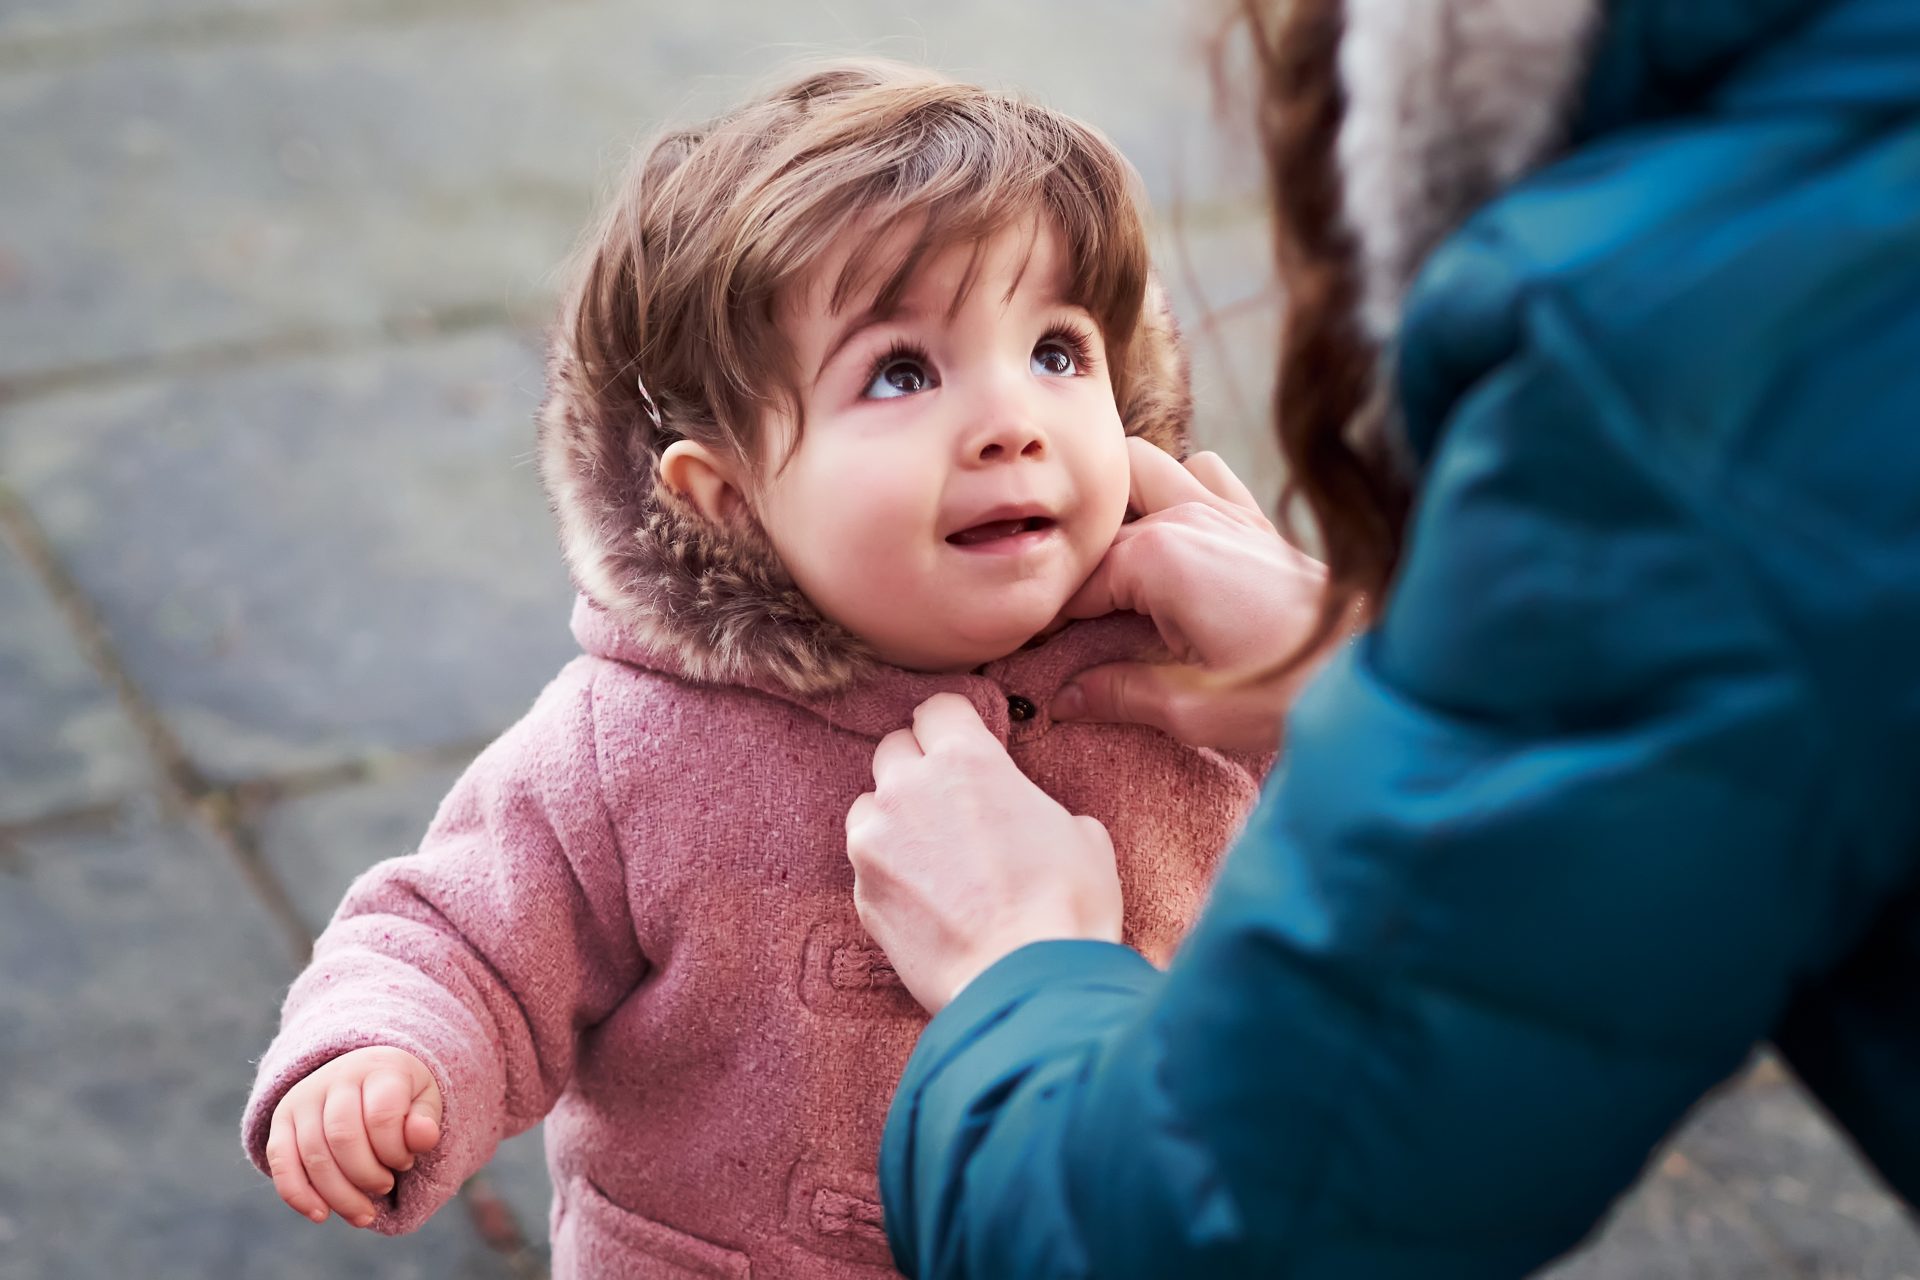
(633, 917)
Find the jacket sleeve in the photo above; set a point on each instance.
(482, 954)
(1549, 849)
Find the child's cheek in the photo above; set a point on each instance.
(871, 530)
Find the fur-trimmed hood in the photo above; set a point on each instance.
(1447, 102)
(716, 605)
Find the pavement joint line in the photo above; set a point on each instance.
(63, 49)
(59, 822)
(498, 1227)
(254, 794)
(183, 788)
(405, 329)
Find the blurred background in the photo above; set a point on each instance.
(274, 563)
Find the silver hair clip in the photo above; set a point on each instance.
(646, 401)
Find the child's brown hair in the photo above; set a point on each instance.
(679, 289)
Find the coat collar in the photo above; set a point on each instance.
(881, 698)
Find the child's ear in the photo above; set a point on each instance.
(705, 479)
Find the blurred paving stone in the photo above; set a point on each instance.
(342, 176)
(24, 20)
(519, 1172)
(142, 983)
(1804, 1181)
(64, 742)
(314, 561)
(316, 844)
(1757, 1185)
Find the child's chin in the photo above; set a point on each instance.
(1014, 639)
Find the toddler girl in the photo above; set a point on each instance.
(838, 419)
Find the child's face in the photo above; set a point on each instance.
(961, 471)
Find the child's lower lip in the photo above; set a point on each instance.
(1012, 545)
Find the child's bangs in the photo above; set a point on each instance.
(999, 166)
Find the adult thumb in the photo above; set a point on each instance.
(423, 1115)
(1119, 693)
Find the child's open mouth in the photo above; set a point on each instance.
(1006, 535)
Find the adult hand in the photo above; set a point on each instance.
(1227, 593)
(959, 859)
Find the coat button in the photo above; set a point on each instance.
(1019, 709)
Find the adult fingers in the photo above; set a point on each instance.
(1119, 693)
(1114, 584)
(343, 1119)
(1156, 480)
(285, 1168)
(1096, 831)
(862, 814)
(386, 1098)
(896, 751)
(323, 1170)
(947, 721)
(1211, 470)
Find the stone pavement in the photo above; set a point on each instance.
(274, 564)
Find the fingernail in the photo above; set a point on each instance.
(364, 1221)
(318, 1215)
(1069, 704)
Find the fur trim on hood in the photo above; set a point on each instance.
(719, 602)
(1447, 101)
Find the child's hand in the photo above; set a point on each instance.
(344, 1132)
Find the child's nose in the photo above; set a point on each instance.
(1013, 440)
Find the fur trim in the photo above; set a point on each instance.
(1447, 102)
(1159, 402)
(718, 604)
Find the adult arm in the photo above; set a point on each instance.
(1550, 850)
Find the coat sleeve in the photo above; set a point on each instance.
(482, 954)
(1550, 848)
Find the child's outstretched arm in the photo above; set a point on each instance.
(480, 957)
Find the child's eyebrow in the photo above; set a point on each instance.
(856, 324)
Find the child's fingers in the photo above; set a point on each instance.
(423, 1132)
(288, 1173)
(323, 1169)
(423, 1119)
(386, 1098)
(345, 1123)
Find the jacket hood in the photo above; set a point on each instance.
(1449, 101)
(717, 606)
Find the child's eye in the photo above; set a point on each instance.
(899, 373)
(1063, 353)
(1054, 361)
